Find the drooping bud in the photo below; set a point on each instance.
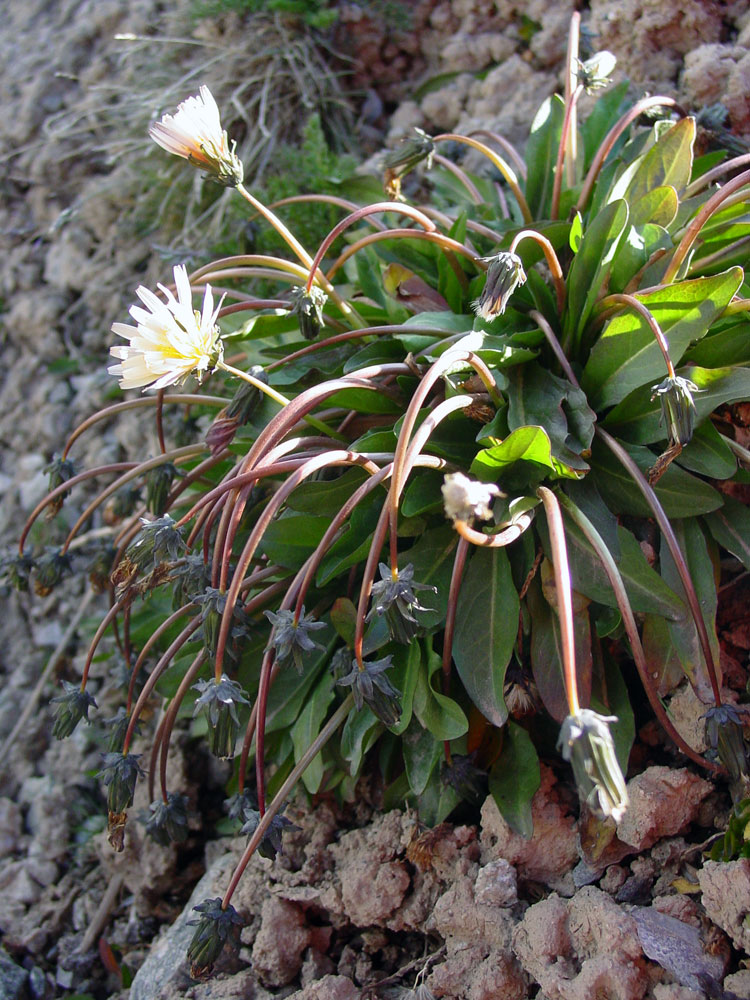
(72, 706)
(246, 401)
(291, 639)
(394, 597)
(413, 150)
(726, 737)
(167, 822)
(504, 274)
(585, 741)
(60, 470)
(218, 702)
(216, 929)
(308, 308)
(371, 687)
(677, 407)
(158, 484)
(50, 569)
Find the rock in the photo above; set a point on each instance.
(496, 884)
(552, 850)
(328, 988)
(13, 979)
(663, 801)
(166, 968)
(739, 983)
(280, 942)
(676, 946)
(588, 948)
(725, 888)
(10, 827)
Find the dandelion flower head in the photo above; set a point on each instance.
(171, 339)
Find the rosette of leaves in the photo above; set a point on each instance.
(632, 249)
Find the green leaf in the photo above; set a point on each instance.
(662, 662)
(515, 778)
(591, 264)
(541, 155)
(680, 493)
(360, 731)
(290, 538)
(307, 727)
(486, 628)
(421, 754)
(404, 675)
(618, 704)
(708, 454)
(657, 206)
(702, 572)
(634, 250)
(422, 493)
(730, 526)
(627, 356)
(536, 396)
(326, 498)
(669, 161)
(441, 715)
(646, 590)
(527, 445)
(638, 417)
(729, 345)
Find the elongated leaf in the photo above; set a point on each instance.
(730, 526)
(729, 345)
(708, 454)
(657, 206)
(290, 538)
(360, 731)
(603, 116)
(662, 662)
(591, 264)
(627, 356)
(307, 727)
(354, 544)
(404, 675)
(486, 626)
(514, 779)
(680, 493)
(647, 591)
(703, 574)
(541, 154)
(528, 447)
(326, 498)
(636, 247)
(669, 161)
(618, 704)
(432, 558)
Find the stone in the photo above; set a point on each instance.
(328, 988)
(725, 888)
(13, 979)
(551, 852)
(663, 801)
(496, 884)
(280, 942)
(10, 827)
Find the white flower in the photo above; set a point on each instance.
(465, 498)
(195, 133)
(170, 341)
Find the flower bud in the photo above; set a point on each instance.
(585, 741)
(216, 929)
(290, 638)
(120, 774)
(412, 150)
(166, 822)
(218, 701)
(60, 470)
(158, 484)
(72, 706)
(395, 598)
(50, 569)
(726, 737)
(371, 687)
(677, 407)
(504, 274)
(308, 308)
(595, 73)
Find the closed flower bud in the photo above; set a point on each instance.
(726, 737)
(290, 638)
(120, 774)
(371, 687)
(677, 407)
(271, 844)
(218, 702)
(50, 569)
(16, 571)
(394, 598)
(595, 73)
(59, 470)
(167, 822)
(216, 929)
(158, 541)
(504, 274)
(585, 741)
(245, 403)
(72, 706)
(413, 150)
(308, 308)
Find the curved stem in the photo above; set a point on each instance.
(171, 715)
(565, 136)
(133, 404)
(554, 343)
(563, 593)
(299, 769)
(701, 218)
(153, 638)
(715, 173)
(631, 629)
(571, 76)
(448, 244)
(552, 261)
(460, 175)
(676, 552)
(640, 308)
(361, 213)
(505, 169)
(501, 538)
(507, 146)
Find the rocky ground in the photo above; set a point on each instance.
(360, 897)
